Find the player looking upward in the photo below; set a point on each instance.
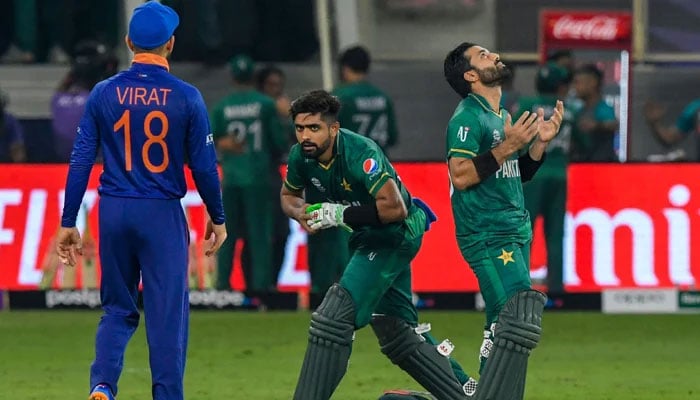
(492, 224)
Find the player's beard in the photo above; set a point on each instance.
(493, 76)
(315, 151)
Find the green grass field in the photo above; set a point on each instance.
(243, 355)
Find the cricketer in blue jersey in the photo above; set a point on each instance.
(147, 123)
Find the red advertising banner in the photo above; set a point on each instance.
(627, 226)
(588, 28)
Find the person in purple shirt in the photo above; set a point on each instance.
(147, 123)
(92, 63)
(11, 136)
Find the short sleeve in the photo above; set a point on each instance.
(294, 180)
(372, 169)
(464, 134)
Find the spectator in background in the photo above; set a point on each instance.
(545, 193)
(11, 135)
(92, 63)
(596, 123)
(248, 137)
(670, 135)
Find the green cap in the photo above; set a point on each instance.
(242, 67)
(550, 76)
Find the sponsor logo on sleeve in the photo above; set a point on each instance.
(370, 166)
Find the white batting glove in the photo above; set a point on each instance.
(326, 215)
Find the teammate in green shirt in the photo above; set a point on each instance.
(247, 133)
(492, 224)
(365, 109)
(361, 191)
(545, 194)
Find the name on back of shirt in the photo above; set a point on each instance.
(377, 103)
(134, 96)
(242, 111)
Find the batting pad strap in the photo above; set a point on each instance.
(486, 165)
(409, 350)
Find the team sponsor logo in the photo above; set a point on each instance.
(370, 166)
(462, 133)
(210, 138)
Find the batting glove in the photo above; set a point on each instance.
(326, 215)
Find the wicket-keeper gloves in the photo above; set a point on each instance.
(327, 215)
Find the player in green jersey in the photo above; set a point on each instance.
(248, 134)
(365, 109)
(492, 224)
(545, 194)
(362, 192)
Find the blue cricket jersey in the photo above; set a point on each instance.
(147, 123)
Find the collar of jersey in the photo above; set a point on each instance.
(151, 59)
(484, 104)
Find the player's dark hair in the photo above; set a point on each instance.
(456, 64)
(592, 70)
(356, 58)
(316, 102)
(557, 55)
(264, 73)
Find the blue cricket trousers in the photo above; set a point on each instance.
(143, 239)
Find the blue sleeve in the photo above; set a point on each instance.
(202, 156)
(81, 161)
(686, 122)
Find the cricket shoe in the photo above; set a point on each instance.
(101, 392)
(470, 387)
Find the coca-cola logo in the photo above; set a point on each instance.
(597, 28)
(587, 26)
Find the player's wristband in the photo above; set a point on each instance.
(528, 167)
(365, 215)
(486, 165)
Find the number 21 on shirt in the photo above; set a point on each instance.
(157, 139)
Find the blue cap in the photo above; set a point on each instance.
(152, 24)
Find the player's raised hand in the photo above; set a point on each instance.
(548, 129)
(219, 232)
(521, 133)
(68, 244)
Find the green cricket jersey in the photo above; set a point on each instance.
(558, 149)
(249, 116)
(492, 210)
(367, 111)
(354, 175)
